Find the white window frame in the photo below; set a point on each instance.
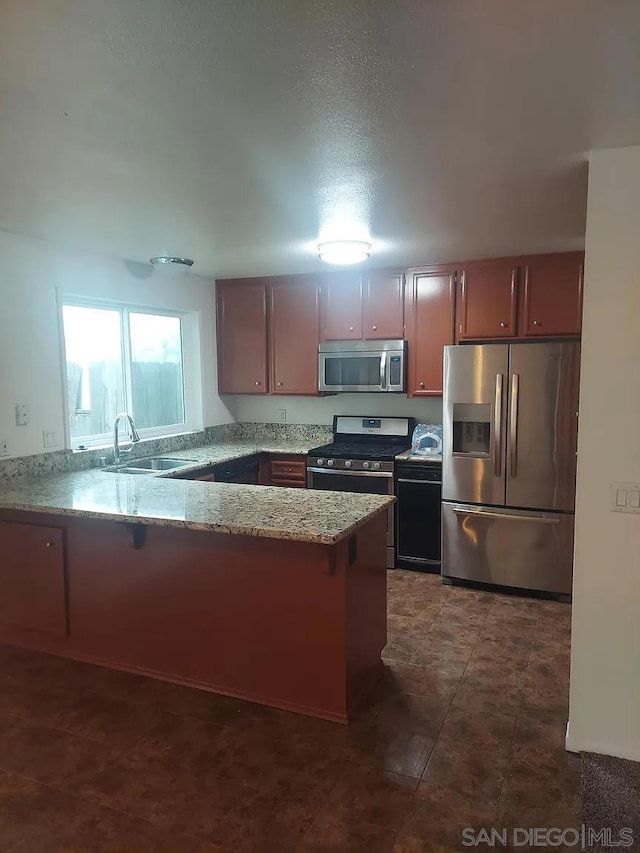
(191, 369)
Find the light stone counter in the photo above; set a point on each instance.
(265, 511)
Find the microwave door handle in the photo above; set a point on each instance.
(383, 370)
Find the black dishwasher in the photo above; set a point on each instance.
(418, 515)
(245, 470)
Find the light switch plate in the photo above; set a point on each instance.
(625, 497)
(4, 448)
(49, 438)
(283, 415)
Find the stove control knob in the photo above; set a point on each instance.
(376, 466)
(320, 462)
(348, 463)
(366, 465)
(330, 463)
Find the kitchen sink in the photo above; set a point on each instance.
(149, 465)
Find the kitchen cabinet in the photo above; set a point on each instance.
(242, 336)
(551, 295)
(363, 307)
(341, 306)
(289, 471)
(429, 311)
(294, 328)
(383, 305)
(32, 577)
(487, 300)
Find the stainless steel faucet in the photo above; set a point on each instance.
(133, 434)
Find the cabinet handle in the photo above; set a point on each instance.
(351, 328)
(279, 384)
(503, 325)
(537, 323)
(49, 545)
(375, 328)
(258, 382)
(421, 384)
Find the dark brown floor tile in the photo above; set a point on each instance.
(384, 749)
(485, 668)
(413, 627)
(545, 696)
(437, 818)
(466, 769)
(430, 681)
(450, 656)
(363, 794)
(400, 647)
(532, 797)
(264, 821)
(340, 834)
(50, 756)
(487, 729)
(515, 648)
(486, 693)
(36, 818)
(405, 712)
(448, 633)
(541, 728)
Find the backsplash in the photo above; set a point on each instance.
(64, 461)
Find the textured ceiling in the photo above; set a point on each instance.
(237, 132)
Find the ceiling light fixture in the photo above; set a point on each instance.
(344, 251)
(168, 265)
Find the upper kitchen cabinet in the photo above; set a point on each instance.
(551, 295)
(242, 336)
(367, 306)
(383, 305)
(487, 300)
(341, 306)
(429, 312)
(294, 324)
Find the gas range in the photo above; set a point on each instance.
(363, 444)
(361, 459)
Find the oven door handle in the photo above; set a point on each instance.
(420, 482)
(387, 475)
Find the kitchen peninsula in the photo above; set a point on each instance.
(274, 595)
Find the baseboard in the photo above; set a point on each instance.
(587, 745)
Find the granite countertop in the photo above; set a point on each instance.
(407, 457)
(273, 512)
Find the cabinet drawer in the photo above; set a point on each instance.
(288, 469)
(32, 577)
(288, 483)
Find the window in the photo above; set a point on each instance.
(121, 359)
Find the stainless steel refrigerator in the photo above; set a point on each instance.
(509, 464)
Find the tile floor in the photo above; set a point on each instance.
(467, 730)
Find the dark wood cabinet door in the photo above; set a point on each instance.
(383, 305)
(487, 300)
(32, 578)
(429, 311)
(242, 336)
(294, 327)
(341, 306)
(551, 301)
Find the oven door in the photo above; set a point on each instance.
(361, 482)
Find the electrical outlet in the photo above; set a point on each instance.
(283, 416)
(4, 448)
(22, 414)
(49, 438)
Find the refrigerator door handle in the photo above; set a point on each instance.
(513, 425)
(497, 425)
(505, 516)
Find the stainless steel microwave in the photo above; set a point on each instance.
(353, 366)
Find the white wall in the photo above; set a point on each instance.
(30, 362)
(320, 410)
(605, 664)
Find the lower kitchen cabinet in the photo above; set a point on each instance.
(32, 577)
(288, 471)
(429, 313)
